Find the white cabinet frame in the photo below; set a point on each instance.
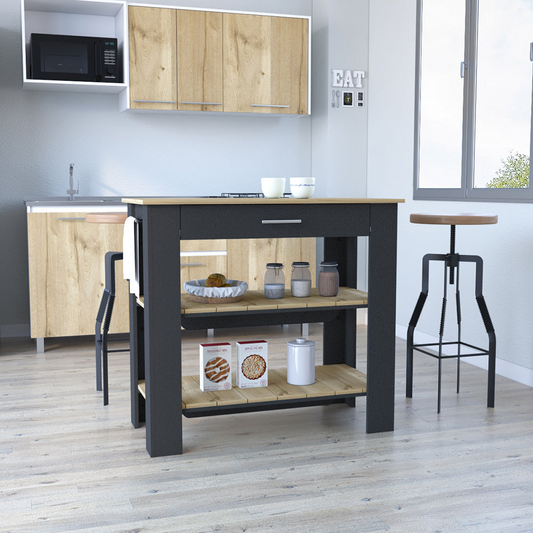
(95, 18)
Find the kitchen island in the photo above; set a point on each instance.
(157, 386)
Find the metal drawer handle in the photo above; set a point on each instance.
(294, 221)
(153, 102)
(200, 103)
(269, 105)
(191, 264)
(71, 218)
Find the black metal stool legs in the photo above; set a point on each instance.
(415, 317)
(103, 322)
(98, 338)
(451, 262)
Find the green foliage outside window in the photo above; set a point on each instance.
(514, 174)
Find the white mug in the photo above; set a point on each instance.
(302, 187)
(273, 187)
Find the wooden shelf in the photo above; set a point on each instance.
(255, 301)
(330, 380)
(73, 86)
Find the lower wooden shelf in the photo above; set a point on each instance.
(330, 381)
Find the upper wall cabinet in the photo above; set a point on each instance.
(266, 64)
(152, 46)
(99, 18)
(200, 74)
(195, 60)
(178, 59)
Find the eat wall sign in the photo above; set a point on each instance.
(347, 78)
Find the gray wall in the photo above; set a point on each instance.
(123, 154)
(169, 154)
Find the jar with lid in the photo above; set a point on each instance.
(328, 279)
(300, 279)
(301, 362)
(274, 285)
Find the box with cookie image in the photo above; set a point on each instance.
(215, 366)
(252, 364)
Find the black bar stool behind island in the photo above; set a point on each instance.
(105, 310)
(451, 261)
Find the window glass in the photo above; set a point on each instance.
(503, 99)
(441, 94)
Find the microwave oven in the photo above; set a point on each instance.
(74, 58)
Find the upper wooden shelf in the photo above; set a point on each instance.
(217, 201)
(256, 301)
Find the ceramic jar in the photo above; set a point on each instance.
(301, 362)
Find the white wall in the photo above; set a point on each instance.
(506, 248)
(41, 133)
(339, 135)
(340, 41)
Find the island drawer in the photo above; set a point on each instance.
(278, 221)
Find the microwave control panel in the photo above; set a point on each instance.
(107, 54)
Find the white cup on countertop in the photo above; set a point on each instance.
(302, 187)
(273, 187)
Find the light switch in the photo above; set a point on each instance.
(347, 98)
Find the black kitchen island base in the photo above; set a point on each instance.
(155, 324)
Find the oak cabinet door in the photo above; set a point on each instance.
(152, 48)
(67, 274)
(266, 64)
(199, 259)
(199, 52)
(247, 258)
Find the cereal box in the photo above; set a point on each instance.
(252, 364)
(215, 366)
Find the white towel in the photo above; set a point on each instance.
(130, 247)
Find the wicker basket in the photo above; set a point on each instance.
(215, 295)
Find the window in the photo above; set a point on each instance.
(473, 100)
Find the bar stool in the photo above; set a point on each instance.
(105, 311)
(451, 262)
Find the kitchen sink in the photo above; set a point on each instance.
(65, 201)
(76, 199)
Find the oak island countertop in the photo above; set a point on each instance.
(261, 201)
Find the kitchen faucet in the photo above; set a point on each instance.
(71, 192)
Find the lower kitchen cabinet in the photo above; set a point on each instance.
(67, 271)
(199, 259)
(247, 258)
(67, 274)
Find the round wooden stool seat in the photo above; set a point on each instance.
(106, 218)
(466, 219)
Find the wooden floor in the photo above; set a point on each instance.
(69, 464)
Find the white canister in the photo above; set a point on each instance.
(301, 362)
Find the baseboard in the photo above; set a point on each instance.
(505, 369)
(14, 330)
